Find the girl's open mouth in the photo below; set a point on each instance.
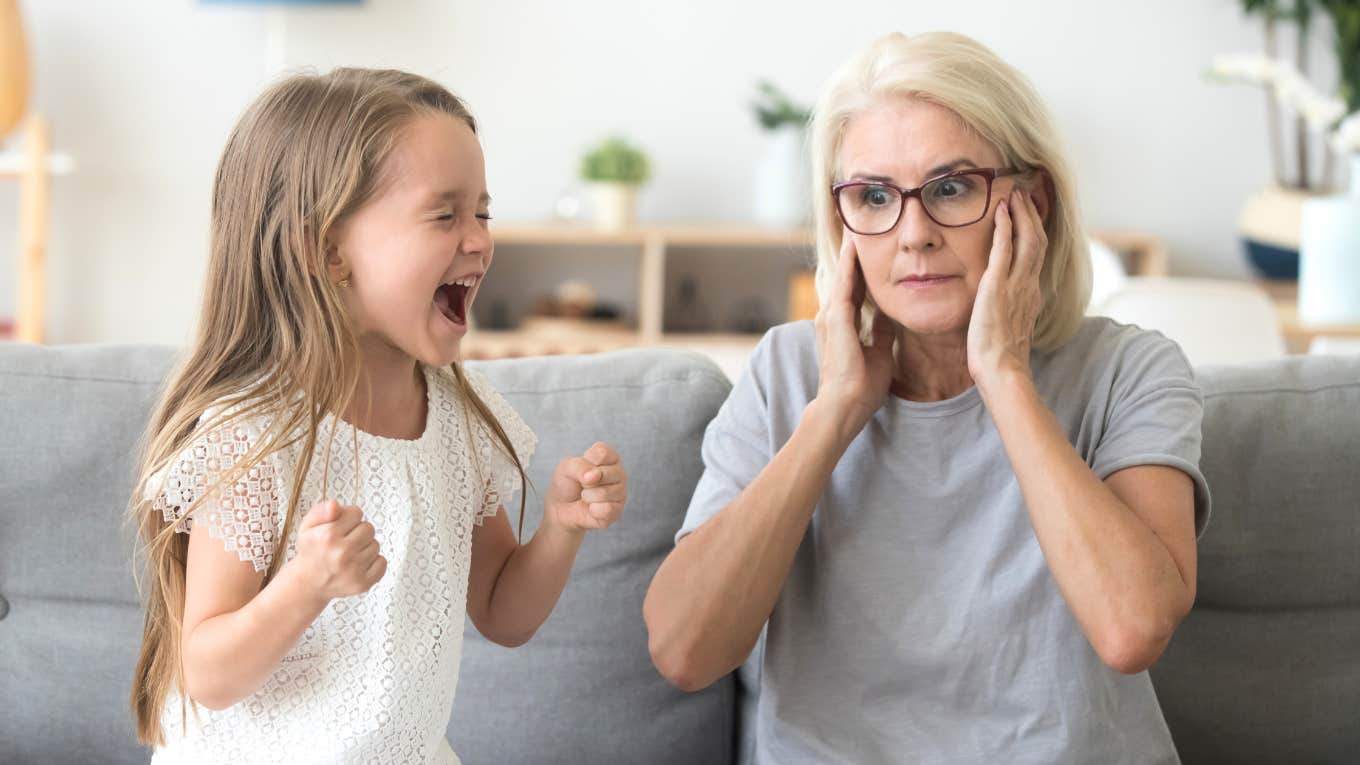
(451, 300)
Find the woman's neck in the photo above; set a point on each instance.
(390, 400)
(931, 367)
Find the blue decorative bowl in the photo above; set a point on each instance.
(1271, 261)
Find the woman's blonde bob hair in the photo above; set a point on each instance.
(992, 99)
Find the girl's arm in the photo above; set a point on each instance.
(512, 587)
(234, 633)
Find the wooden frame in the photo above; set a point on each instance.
(33, 166)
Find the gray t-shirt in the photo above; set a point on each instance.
(920, 622)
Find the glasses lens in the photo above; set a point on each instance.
(956, 200)
(870, 208)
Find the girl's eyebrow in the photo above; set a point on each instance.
(452, 194)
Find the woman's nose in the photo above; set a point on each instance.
(916, 230)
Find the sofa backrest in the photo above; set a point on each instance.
(583, 690)
(70, 422)
(1267, 667)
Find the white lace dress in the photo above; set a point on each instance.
(373, 679)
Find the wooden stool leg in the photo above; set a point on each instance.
(29, 327)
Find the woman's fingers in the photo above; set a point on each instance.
(1026, 245)
(844, 291)
(1036, 264)
(1002, 245)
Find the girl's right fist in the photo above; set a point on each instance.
(337, 550)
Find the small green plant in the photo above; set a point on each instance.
(615, 161)
(774, 109)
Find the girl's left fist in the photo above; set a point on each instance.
(588, 492)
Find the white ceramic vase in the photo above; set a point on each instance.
(781, 185)
(613, 205)
(1329, 256)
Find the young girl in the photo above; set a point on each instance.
(321, 496)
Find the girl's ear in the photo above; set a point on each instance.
(336, 269)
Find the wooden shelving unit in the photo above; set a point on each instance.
(1144, 255)
(33, 166)
(651, 244)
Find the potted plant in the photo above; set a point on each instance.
(1298, 115)
(781, 185)
(615, 170)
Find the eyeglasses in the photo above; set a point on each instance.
(870, 208)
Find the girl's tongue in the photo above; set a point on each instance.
(451, 300)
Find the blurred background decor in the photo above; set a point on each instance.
(1298, 116)
(781, 186)
(146, 93)
(13, 67)
(615, 171)
(31, 164)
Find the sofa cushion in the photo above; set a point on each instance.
(584, 689)
(71, 419)
(1267, 667)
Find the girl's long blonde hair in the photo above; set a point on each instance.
(994, 100)
(273, 337)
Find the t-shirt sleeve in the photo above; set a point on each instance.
(202, 485)
(737, 444)
(501, 480)
(1154, 416)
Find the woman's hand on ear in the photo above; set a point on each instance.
(1009, 297)
(854, 377)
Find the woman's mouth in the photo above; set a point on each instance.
(926, 281)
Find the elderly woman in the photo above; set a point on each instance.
(963, 515)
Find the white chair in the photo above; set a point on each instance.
(1214, 321)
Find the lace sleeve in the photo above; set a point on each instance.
(501, 477)
(242, 513)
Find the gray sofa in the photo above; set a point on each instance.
(1265, 670)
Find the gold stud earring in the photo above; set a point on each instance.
(343, 283)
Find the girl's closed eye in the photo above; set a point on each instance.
(448, 216)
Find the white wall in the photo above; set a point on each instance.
(144, 93)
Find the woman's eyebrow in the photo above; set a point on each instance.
(935, 172)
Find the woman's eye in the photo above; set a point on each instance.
(484, 216)
(875, 196)
(951, 188)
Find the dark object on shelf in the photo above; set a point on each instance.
(690, 314)
(1272, 262)
(751, 315)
